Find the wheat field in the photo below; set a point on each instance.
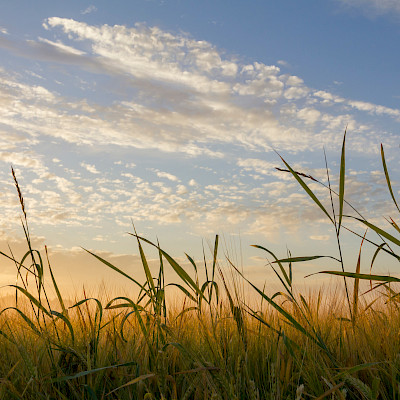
(214, 343)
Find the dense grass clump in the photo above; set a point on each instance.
(215, 345)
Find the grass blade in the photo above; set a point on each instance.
(387, 177)
(36, 302)
(380, 231)
(118, 270)
(301, 259)
(59, 297)
(357, 282)
(307, 189)
(92, 371)
(146, 268)
(341, 183)
(133, 381)
(276, 260)
(379, 278)
(67, 322)
(177, 268)
(25, 318)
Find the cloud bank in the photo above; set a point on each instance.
(201, 125)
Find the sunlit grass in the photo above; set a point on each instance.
(215, 344)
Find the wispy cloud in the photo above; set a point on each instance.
(90, 9)
(377, 7)
(62, 47)
(185, 96)
(216, 117)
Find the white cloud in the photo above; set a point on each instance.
(27, 160)
(89, 9)
(329, 98)
(185, 96)
(91, 168)
(309, 115)
(320, 237)
(296, 92)
(374, 108)
(167, 175)
(261, 166)
(283, 63)
(181, 189)
(63, 47)
(294, 81)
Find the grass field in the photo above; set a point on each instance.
(216, 344)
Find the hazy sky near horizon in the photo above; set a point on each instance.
(169, 113)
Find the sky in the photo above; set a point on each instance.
(170, 115)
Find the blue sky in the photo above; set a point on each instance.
(168, 113)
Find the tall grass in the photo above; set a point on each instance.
(215, 345)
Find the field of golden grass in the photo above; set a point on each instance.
(215, 344)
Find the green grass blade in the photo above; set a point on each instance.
(118, 270)
(25, 318)
(184, 290)
(177, 268)
(379, 248)
(357, 282)
(122, 323)
(129, 303)
(59, 297)
(341, 183)
(301, 259)
(281, 311)
(146, 268)
(253, 314)
(214, 264)
(92, 371)
(35, 301)
(191, 262)
(380, 231)
(387, 177)
(307, 189)
(98, 303)
(26, 255)
(67, 322)
(379, 278)
(393, 223)
(285, 285)
(356, 368)
(186, 310)
(305, 304)
(276, 260)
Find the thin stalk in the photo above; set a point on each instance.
(335, 193)
(337, 235)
